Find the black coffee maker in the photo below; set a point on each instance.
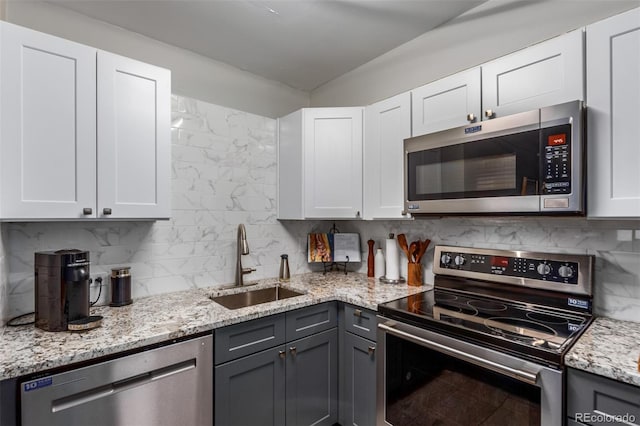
(62, 291)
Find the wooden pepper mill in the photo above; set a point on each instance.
(370, 260)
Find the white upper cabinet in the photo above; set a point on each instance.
(320, 164)
(548, 73)
(56, 160)
(47, 127)
(613, 108)
(134, 138)
(446, 103)
(387, 124)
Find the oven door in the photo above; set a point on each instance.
(428, 378)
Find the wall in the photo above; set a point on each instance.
(192, 75)
(615, 244)
(486, 32)
(224, 173)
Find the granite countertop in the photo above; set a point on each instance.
(608, 348)
(156, 319)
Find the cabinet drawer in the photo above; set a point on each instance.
(361, 322)
(249, 337)
(592, 395)
(314, 319)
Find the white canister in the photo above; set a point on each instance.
(379, 264)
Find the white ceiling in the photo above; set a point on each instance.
(301, 43)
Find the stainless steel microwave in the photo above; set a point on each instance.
(526, 163)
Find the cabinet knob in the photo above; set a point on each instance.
(282, 354)
(371, 349)
(87, 211)
(106, 211)
(471, 117)
(292, 349)
(357, 313)
(358, 214)
(489, 113)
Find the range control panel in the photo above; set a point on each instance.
(521, 267)
(559, 272)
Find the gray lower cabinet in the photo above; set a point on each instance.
(357, 366)
(358, 401)
(294, 381)
(596, 400)
(312, 380)
(251, 390)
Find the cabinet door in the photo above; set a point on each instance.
(450, 102)
(613, 99)
(134, 139)
(387, 124)
(312, 380)
(589, 395)
(251, 390)
(545, 74)
(359, 398)
(333, 162)
(48, 139)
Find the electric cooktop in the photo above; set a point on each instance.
(537, 316)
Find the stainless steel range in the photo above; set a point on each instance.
(486, 346)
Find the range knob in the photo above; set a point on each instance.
(565, 271)
(459, 260)
(445, 259)
(543, 269)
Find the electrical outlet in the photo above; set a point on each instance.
(98, 289)
(625, 235)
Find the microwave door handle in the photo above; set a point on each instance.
(523, 376)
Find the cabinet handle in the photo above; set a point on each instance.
(106, 211)
(489, 113)
(358, 213)
(292, 349)
(87, 211)
(357, 313)
(471, 117)
(371, 349)
(282, 354)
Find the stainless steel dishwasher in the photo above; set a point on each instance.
(169, 385)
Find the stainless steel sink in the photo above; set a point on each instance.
(254, 297)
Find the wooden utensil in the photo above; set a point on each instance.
(423, 248)
(414, 248)
(402, 240)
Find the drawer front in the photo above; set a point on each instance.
(361, 322)
(314, 319)
(249, 337)
(591, 397)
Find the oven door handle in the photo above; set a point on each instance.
(523, 376)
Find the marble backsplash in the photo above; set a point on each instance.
(224, 173)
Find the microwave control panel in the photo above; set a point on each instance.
(519, 267)
(557, 161)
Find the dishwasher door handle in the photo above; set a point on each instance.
(521, 375)
(120, 386)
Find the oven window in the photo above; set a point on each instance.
(427, 387)
(496, 167)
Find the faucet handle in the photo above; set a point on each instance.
(248, 270)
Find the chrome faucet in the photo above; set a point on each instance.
(243, 248)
